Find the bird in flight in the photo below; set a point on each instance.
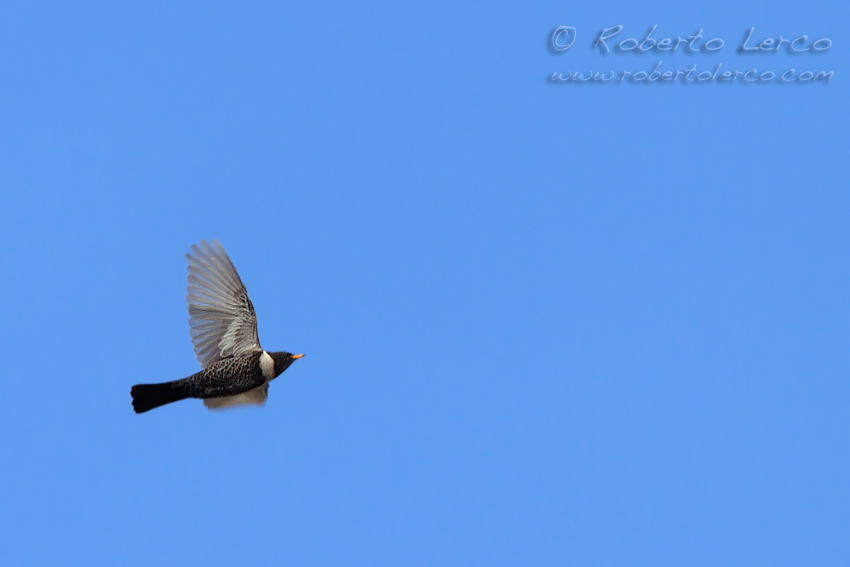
(223, 325)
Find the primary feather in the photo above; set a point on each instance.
(221, 316)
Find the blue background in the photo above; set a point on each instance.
(545, 324)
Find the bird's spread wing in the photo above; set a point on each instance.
(257, 396)
(221, 317)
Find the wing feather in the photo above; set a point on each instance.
(222, 321)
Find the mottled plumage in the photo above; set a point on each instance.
(223, 325)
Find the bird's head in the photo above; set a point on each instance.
(282, 360)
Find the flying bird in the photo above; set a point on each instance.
(223, 325)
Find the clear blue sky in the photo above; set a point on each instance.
(545, 324)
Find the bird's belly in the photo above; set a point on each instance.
(256, 396)
(228, 377)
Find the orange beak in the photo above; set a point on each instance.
(296, 356)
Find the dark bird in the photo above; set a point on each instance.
(223, 325)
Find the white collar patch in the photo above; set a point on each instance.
(267, 365)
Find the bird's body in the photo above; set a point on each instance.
(236, 370)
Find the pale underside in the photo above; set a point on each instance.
(257, 397)
(221, 316)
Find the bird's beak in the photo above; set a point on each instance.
(296, 356)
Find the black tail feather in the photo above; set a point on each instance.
(149, 396)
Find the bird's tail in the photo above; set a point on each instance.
(149, 396)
